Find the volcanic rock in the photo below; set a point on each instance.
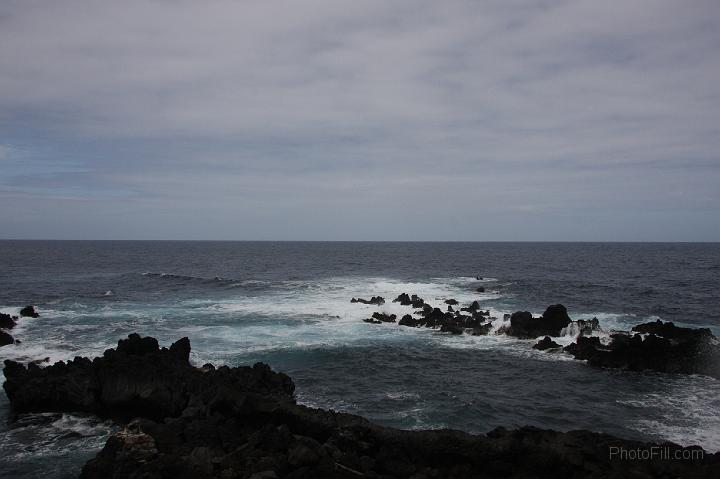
(551, 323)
(29, 311)
(546, 343)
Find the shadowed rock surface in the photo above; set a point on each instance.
(6, 339)
(551, 323)
(546, 343)
(665, 348)
(243, 423)
(405, 300)
(378, 318)
(29, 312)
(6, 321)
(377, 300)
(136, 379)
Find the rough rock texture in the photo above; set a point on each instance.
(243, 423)
(665, 348)
(409, 320)
(377, 300)
(587, 327)
(451, 321)
(551, 323)
(378, 318)
(29, 312)
(299, 442)
(403, 299)
(546, 343)
(415, 301)
(6, 339)
(136, 379)
(6, 321)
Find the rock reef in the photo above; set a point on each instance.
(29, 312)
(377, 300)
(655, 346)
(8, 322)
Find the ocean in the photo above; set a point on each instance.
(288, 304)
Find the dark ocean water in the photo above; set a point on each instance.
(287, 304)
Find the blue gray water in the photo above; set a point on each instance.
(287, 304)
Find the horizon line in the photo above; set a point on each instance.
(356, 241)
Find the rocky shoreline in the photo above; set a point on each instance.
(183, 421)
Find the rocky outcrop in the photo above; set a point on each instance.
(587, 326)
(668, 330)
(6, 321)
(29, 312)
(475, 306)
(654, 346)
(378, 318)
(298, 442)
(481, 330)
(377, 300)
(403, 299)
(409, 320)
(546, 343)
(415, 301)
(242, 422)
(137, 379)
(6, 338)
(551, 323)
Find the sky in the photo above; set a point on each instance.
(498, 120)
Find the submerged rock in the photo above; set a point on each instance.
(377, 300)
(587, 327)
(475, 306)
(451, 328)
(384, 317)
(451, 301)
(481, 330)
(546, 343)
(29, 311)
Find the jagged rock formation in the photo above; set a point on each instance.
(551, 323)
(136, 379)
(243, 423)
(546, 343)
(29, 312)
(377, 300)
(665, 348)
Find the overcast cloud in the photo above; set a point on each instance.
(368, 120)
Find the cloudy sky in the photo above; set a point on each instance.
(367, 120)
